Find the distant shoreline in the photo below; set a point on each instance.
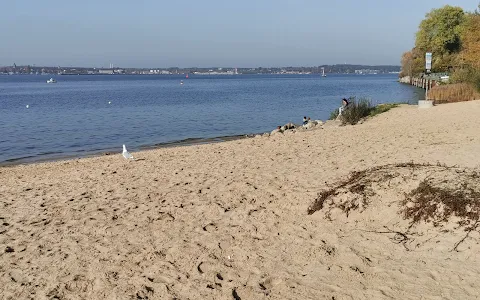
(114, 70)
(197, 74)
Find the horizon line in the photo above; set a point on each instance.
(196, 67)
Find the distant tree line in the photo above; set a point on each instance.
(453, 37)
(338, 68)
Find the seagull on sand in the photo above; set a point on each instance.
(126, 154)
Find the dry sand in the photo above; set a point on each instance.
(229, 220)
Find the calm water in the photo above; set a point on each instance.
(73, 117)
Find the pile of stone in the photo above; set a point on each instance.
(293, 128)
(290, 127)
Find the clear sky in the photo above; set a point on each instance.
(204, 33)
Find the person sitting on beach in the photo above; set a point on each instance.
(305, 121)
(342, 108)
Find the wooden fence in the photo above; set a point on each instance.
(423, 83)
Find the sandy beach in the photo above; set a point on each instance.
(234, 220)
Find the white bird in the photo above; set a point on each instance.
(126, 154)
(109, 102)
(27, 106)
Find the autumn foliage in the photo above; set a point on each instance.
(470, 53)
(453, 36)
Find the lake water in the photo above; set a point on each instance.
(74, 118)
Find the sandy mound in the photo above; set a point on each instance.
(415, 204)
(429, 214)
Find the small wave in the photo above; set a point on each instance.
(195, 141)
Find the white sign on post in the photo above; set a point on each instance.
(428, 61)
(428, 66)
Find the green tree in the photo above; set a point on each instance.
(440, 33)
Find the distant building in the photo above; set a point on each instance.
(366, 71)
(105, 71)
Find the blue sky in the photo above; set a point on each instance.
(246, 33)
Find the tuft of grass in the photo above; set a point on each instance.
(358, 110)
(333, 115)
(381, 108)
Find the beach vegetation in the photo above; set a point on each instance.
(381, 108)
(453, 93)
(334, 115)
(361, 109)
(434, 200)
(356, 111)
(467, 75)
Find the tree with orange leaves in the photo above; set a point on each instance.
(470, 54)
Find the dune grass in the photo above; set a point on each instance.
(358, 110)
(381, 108)
(453, 93)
